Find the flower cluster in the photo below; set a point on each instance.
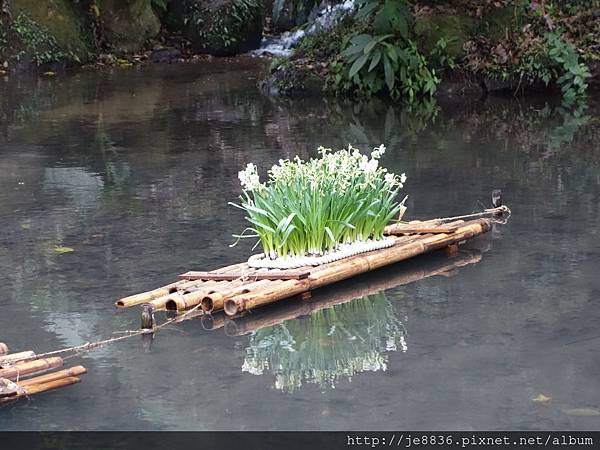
(311, 207)
(249, 178)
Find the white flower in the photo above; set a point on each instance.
(368, 165)
(378, 151)
(403, 178)
(390, 178)
(249, 178)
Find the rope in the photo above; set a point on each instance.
(486, 212)
(93, 345)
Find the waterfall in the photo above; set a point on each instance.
(325, 18)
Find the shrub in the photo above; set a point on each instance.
(385, 57)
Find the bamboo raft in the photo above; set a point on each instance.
(24, 374)
(239, 288)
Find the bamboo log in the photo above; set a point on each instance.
(147, 297)
(176, 301)
(346, 268)
(3, 348)
(70, 372)
(181, 301)
(30, 368)
(13, 358)
(42, 387)
(215, 301)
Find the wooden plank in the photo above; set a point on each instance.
(252, 276)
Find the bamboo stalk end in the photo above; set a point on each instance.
(232, 307)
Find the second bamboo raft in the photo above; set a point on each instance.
(25, 373)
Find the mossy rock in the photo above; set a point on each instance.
(497, 21)
(50, 29)
(218, 27)
(128, 24)
(456, 30)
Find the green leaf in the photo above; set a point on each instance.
(358, 64)
(370, 46)
(367, 9)
(60, 249)
(375, 60)
(390, 78)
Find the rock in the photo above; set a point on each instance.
(292, 79)
(165, 55)
(128, 24)
(289, 14)
(49, 32)
(455, 29)
(218, 27)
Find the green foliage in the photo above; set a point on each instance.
(440, 57)
(574, 73)
(385, 59)
(37, 43)
(224, 26)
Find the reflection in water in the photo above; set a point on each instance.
(329, 345)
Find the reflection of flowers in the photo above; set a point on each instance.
(330, 345)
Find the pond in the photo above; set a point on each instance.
(114, 182)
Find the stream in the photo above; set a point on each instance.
(114, 182)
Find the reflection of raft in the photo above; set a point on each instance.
(21, 374)
(239, 288)
(381, 280)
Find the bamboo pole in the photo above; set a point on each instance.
(215, 301)
(3, 348)
(346, 268)
(181, 301)
(30, 368)
(13, 358)
(42, 387)
(70, 372)
(176, 301)
(191, 293)
(147, 297)
(377, 282)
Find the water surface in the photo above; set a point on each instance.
(133, 169)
